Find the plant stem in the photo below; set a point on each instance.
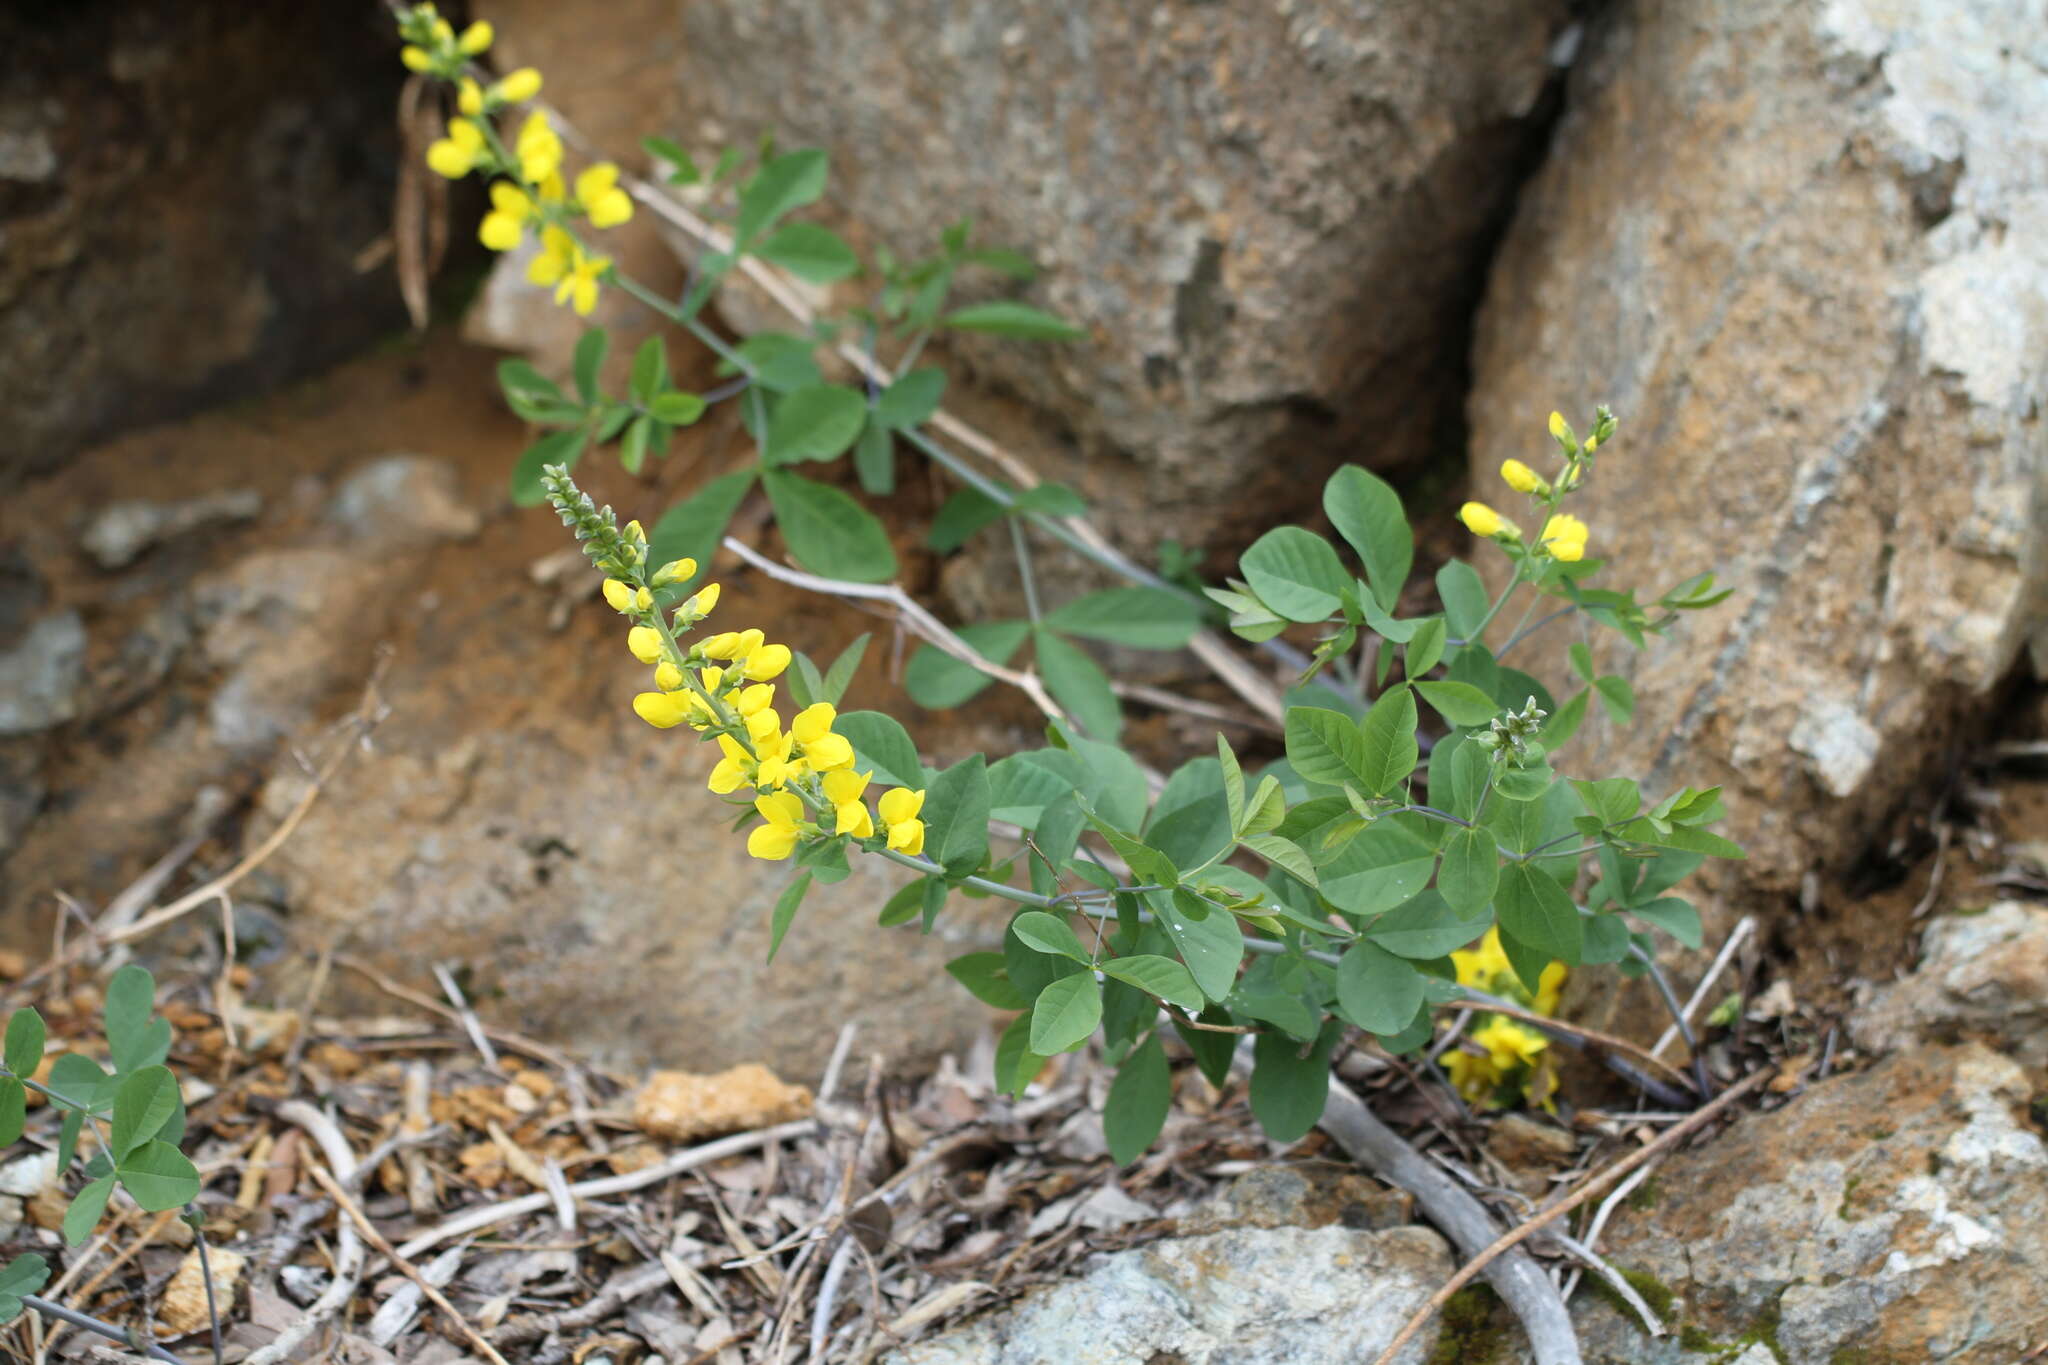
(1478, 636)
(206, 1276)
(1521, 634)
(1024, 568)
(91, 1324)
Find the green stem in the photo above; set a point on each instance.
(1478, 635)
(1024, 568)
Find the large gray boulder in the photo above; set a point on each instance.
(1803, 251)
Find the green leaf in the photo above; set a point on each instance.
(827, 531)
(677, 408)
(986, 978)
(1378, 870)
(1564, 722)
(1157, 976)
(902, 906)
(588, 359)
(1190, 822)
(693, 528)
(1464, 597)
(1065, 1014)
(1052, 500)
(650, 369)
(1289, 1088)
(532, 396)
(1296, 573)
(1078, 684)
(1618, 697)
(1611, 800)
(963, 514)
(131, 999)
(881, 744)
(1049, 933)
(1426, 928)
(874, 460)
(80, 1079)
(1325, 746)
(1674, 916)
(143, 1104)
(1376, 990)
(1681, 837)
(564, 448)
(782, 185)
(1136, 618)
(67, 1138)
(1020, 790)
(782, 362)
(1267, 808)
(839, 676)
(785, 911)
(1536, 910)
(1366, 511)
(1459, 703)
(1138, 1100)
(811, 253)
(23, 1275)
(956, 816)
(1425, 648)
(665, 149)
(159, 1177)
(937, 680)
(1211, 946)
(1284, 854)
(25, 1039)
(1470, 870)
(13, 1110)
(86, 1207)
(1581, 660)
(1007, 318)
(816, 422)
(1388, 751)
(1233, 781)
(633, 449)
(912, 399)
(1016, 1064)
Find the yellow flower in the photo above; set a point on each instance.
(635, 532)
(469, 97)
(1550, 988)
(1474, 1075)
(1564, 536)
(1480, 967)
(699, 603)
(767, 662)
(776, 839)
(505, 224)
(1482, 520)
(668, 677)
(898, 808)
(1558, 430)
(457, 154)
(1592, 444)
(662, 710)
(733, 768)
(538, 149)
(578, 284)
(475, 39)
(597, 189)
(1522, 479)
(675, 571)
(520, 86)
(843, 789)
(755, 698)
(764, 724)
(733, 644)
(812, 729)
(1508, 1043)
(645, 642)
(415, 58)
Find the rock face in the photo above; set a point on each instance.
(1984, 975)
(1245, 1296)
(183, 192)
(1803, 252)
(1269, 218)
(1892, 1217)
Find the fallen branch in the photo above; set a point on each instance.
(348, 1255)
(1519, 1281)
(1591, 1186)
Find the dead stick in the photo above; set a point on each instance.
(376, 1239)
(1592, 1186)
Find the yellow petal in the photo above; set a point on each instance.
(753, 698)
(900, 804)
(853, 818)
(668, 677)
(845, 785)
(660, 709)
(476, 38)
(415, 58)
(726, 776)
(813, 722)
(596, 182)
(764, 726)
(828, 752)
(619, 594)
(609, 209)
(768, 662)
(1520, 477)
(645, 643)
(450, 160)
(1481, 520)
(520, 86)
(469, 97)
(781, 808)
(772, 843)
(499, 231)
(907, 836)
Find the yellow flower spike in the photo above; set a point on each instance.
(776, 839)
(505, 224)
(814, 722)
(1523, 479)
(519, 87)
(675, 571)
(1482, 520)
(415, 58)
(662, 710)
(732, 768)
(469, 97)
(753, 699)
(475, 39)
(768, 662)
(457, 154)
(668, 677)
(645, 642)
